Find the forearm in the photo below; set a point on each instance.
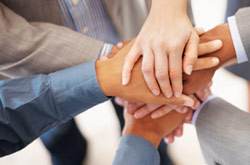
(33, 105)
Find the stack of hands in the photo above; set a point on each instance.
(164, 74)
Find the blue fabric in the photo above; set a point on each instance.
(134, 150)
(31, 106)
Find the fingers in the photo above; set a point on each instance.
(148, 71)
(161, 112)
(145, 110)
(203, 93)
(133, 107)
(119, 101)
(196, 102)
(129, 63)
(169, 139)
(179, 131)
(191, 53)
(200, 31)
(175, 67)
(209, 47)
(161, 72)
(206, 62)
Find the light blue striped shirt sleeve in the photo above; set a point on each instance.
(238, 45)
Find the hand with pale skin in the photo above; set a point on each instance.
(109, 77)
(166, 35)
(158, 111)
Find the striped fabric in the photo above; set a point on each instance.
(89, 18)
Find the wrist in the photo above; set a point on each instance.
(179, 6)
(150, 136)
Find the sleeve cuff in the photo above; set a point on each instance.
(76, 89)
(238, 45)
(106, 49)
(135, 150)
(197, 112)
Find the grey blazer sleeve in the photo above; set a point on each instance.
(224, 133)
(243, 22)
(29, 48)
(134, 150)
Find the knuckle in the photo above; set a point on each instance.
(174, 46)
(161, 75)
(146, 69)
(174, 74)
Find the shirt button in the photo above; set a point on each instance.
(85, 29)
(75, 2)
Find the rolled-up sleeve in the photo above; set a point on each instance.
(31, 106)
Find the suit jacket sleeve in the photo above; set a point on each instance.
(224, 133)
(29, 48)
(134, 150)
(243, 23)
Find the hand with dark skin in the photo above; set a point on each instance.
(199, 79)
(152, 129)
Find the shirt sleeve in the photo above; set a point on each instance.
(135, 150)
(197, 112)
(33, 105)
(106, 49)
(238, 45)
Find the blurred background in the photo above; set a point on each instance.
(101, 128)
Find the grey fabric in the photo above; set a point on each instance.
(224, 132)
(238, 69)
(243, 23)
(134, 150)
(29, 48)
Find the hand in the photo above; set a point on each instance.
(109, 77)
(199, 79)
(158, 111)
(152, 130)
(161, 41)
(202, 95)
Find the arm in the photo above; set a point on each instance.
(31, 106)
(223, 131)
(29, 48)
(141, 137)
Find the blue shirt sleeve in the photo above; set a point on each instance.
(135, 150)
(33, 105)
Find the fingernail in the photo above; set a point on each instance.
(177, 94)
(168, 94)
(166, 140)
(120, 45)
(155, 92)
(184, 110)
(215, 60)
(188, 104)
(200, 29)
(138, 115)
(217, 43)
(124, 81)
(189, 69)
(155, 115)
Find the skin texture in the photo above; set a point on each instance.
(109, 77)
(152, 130)
(191, 85)
(161, 42)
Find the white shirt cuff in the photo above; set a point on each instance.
(238, 45)
(197, 112)
(106, 49)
